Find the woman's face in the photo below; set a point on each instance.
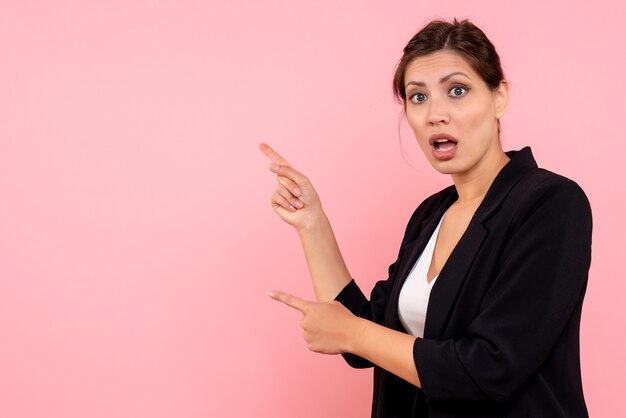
(453, 113)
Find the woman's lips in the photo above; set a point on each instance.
(444, 146)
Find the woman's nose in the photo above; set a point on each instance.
(437, 113)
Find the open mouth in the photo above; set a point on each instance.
(444, 144)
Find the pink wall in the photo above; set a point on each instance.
(137, 242)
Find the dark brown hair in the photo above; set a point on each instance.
(460, 37)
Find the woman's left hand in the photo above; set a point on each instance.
(328, 326)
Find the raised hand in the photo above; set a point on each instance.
(297, 203)
(328, 326)
(295, 200)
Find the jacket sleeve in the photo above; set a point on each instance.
(353, 298)
(541, 281)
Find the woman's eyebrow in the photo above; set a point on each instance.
(443, 80)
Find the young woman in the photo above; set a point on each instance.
(480, 314)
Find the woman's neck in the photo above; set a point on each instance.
(473, 185)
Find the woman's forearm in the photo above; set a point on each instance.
(388, 349)
(326, 266)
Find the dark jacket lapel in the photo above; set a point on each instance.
(411, 253)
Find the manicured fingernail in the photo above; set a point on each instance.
(299, 203)
(271, 294)
(274, 167)
(297, 191)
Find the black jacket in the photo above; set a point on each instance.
(501, 336)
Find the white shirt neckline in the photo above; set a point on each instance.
(415, 292)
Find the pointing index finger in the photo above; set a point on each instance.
(289, 300)
(273, 155)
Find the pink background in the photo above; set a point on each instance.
(137, 242)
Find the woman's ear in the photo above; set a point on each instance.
(501, 96)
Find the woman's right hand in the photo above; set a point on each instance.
(295, 200)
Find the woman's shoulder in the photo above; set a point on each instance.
(541, 183)
(523, 179)
(541, 190)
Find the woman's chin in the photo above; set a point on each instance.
(445, 167)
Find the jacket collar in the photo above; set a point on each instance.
(521, 162)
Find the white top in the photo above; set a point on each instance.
(415, 291)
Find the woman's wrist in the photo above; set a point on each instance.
(354, 334)
(314, 224)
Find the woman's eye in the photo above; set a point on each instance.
(418, 97)
(458, 91)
